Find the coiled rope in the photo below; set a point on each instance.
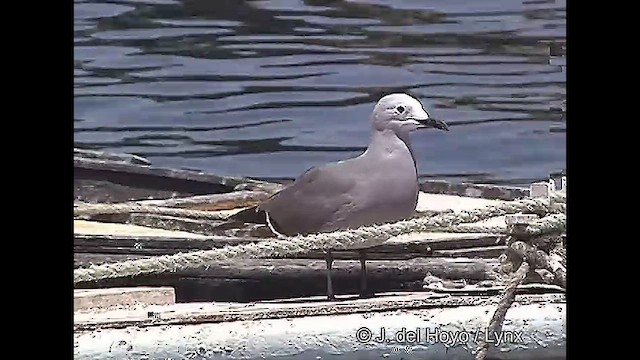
(348, 239)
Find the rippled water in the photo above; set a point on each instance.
(271, 88)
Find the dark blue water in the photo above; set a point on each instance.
(271, 88)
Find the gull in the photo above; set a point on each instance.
(379, 186)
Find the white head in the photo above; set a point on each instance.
(403, 114)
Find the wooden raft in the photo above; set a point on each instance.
(313, 327)
(276, 308)
(399, 264)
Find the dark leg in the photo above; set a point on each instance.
(329, 260)
(363, 276)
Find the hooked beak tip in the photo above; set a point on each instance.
(434, 123)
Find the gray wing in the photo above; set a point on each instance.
(313, 202)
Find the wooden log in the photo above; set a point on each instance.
(102, 299)
(255, 279)
(320, 329)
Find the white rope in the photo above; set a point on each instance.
(363, 237)
(98, 209)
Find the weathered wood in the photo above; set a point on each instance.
(99, 180)
(319, 329)
(167, 222)
(119, 157)
(97, 228)
(455, 241)
(540, 190)
(87, 259)
(102, 299)
(97, 187)
(476, 290)
(422, 245)
(196, 226)
(213, 202)
(151, 245)
(255, 279)
(479, 252)
(107, 177)
(474, 190)
(103, 165)
(199, 313)
(267, 187)
(520, 219)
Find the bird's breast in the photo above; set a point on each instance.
(392, 188)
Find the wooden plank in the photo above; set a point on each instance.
(496, 192)
(258, 279)
(121, 177)
(493, 290)
(118, 157)
(84, 227)
(95, 187)
(91, 299)
(213, 202)
(227, 182)
(325, 330)
(105, 165)
(198, 313)
(108, 181)
(173, 223)
(444, 202)
(520, 219)
(476, 252)
(87, 259)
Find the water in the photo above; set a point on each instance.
(271, 88)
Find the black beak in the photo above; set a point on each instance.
(434, 123)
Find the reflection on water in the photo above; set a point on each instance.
(271, 88)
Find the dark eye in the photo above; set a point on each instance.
(400, 109)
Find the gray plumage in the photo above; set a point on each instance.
(379, 186)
